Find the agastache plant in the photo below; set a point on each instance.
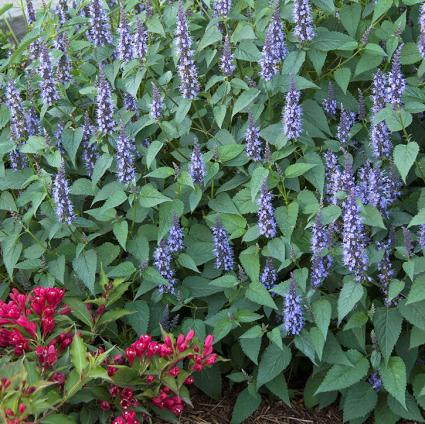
(354, 238)
(396, 80)
(333, 176)
(320, 262)
(100, 26)
(293, 317)
(266, 218)
(140, 41)
(304, 29)
(90, 152)
(197, 165)
(222, 250)
(421, 237)
(49, 93)
(16, 110)
(163, 263)
(104, 106)
(176, 236)
(346, 122)
(292, 113)
(125, 158)
(222, 8)
(274, 49)
(253, 146)
(329, 102)
(130, 102)
(227, 60)
(63, 71)
(268, 277)
(30, 12)
(157, 104)
(125, 46)
(189, 85)
(421, 41)
(64, 207)
(380, 138)
(385, 268)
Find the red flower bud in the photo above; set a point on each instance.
(150, 379)
(211, 359)
(174, 372)
(131, 354)
(189, 336)
(189, 380)
(209, 340)
(105, 405)
(22, 408)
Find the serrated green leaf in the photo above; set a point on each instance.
(393, 376)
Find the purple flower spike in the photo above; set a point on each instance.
(140, 45)
(104, 106)
(62, 12)
(130, 102)
(49, 92)
(333, 176)
(253, 146)
(162, 261)
(266, 218)
(189, 85)
(17, 159)
(346, 122)
(63, 71)
(375, 381)
(157, 104)
(396, 81)
(421, 41)
(354, 238)
(268, 277)
(379, 91)
(90, 153)
(30, 12)
(385, 269)
(100, 26)
(64, 207)
(175, 237)
(227, 61)
(329, 103)
(304, 29)
(361, 114)
(222, 250)
(125, 46)
(421, 237)
(197, 165)
(293, 317)
(222, 8)
(291, 114)
(16, 109)
(274, 49)
(125, 158)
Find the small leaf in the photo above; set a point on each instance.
(404, 157)
(120, 230)
(245, 405)
(245, 99)
(394, 378)
(273, 362)
(78, 354)
(350, 294)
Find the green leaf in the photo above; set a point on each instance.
(258, 177)
(85, 267)
(359, 401)
(298, 169)
(120, 230)
(150, 196)
(257, 293)
(58, 419)
(411, 412)
(341, 376)
(394, 378)
(251, 262)
(273, 362)
(251, 348)
(404, 157)
(342, 78)
(371, 216)
(387, 324)
(212, 35)
(414, 313)
(350, 294)
(418, 219)
(279, 388)
(245, 405)
(79, 354)
(381, 7)
(245, 99)
(322, 311)
(417, 291)
(139, 320)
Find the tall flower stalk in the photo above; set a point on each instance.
(292, 113)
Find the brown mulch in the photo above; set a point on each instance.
(208, 411)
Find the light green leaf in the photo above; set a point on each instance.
(245, 99)
(273, 362)
(350, 294)
(322, 311)
(79, 354)
(394, 378)
(150, 196)
(120, 230)
(404, 157)
(85, 267)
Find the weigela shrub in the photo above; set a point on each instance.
(251, 170)
(52, 361)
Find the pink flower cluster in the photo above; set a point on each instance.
(23, 314)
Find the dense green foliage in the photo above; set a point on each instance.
(349, 331)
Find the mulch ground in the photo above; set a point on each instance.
(208, 411)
